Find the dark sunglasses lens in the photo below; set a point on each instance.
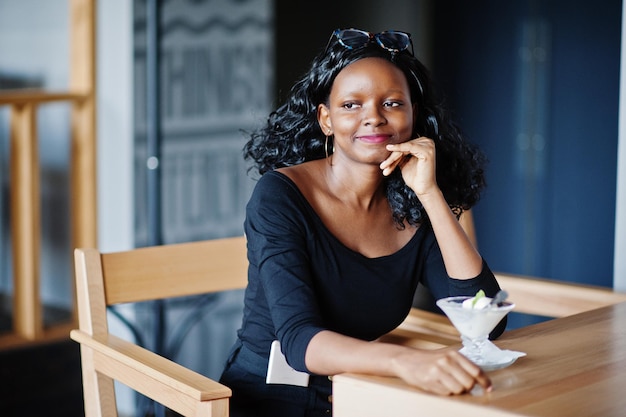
(352, 38)
(395, 41)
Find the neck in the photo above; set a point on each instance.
(356, 186)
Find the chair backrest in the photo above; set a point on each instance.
(548, 297)
(104, 279)
(531, 295)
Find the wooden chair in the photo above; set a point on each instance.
(552, 298)
(106, 279)
(217, 265)
(536, 296)
(548, 297)
(140, 275)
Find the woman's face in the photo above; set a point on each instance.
(369, 107)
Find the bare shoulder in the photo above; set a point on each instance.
(308, 176)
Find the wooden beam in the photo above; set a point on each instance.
(83, 148)
(25, 221)
(83, 157)
(10, 97)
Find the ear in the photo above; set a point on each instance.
(323, 118)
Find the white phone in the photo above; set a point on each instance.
(279, 371)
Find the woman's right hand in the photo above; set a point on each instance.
(416, 159)
(442, 372)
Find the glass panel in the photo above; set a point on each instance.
(216, 80)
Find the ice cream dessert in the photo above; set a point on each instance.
(474, 317)
(479, 301)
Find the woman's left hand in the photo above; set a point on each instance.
(416, 160)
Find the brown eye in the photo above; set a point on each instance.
(349, 106)
(392, 104)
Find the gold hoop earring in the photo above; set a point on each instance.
(326, 150)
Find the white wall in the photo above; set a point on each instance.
(115, 125)
(115, 145)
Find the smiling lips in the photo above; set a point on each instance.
(374, 138)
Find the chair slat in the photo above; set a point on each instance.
(155, 272)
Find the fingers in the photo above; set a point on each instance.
(454, 374)
(412, 146)
(422, 148)
(479, 376)
(454, 383)
(392, 161)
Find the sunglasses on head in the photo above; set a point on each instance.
(393, 41)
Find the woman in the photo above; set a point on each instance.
(363, 177)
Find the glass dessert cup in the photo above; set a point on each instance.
(474, 325)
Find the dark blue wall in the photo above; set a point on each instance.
(549, 209)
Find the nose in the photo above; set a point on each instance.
(374, 116)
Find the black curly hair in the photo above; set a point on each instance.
(292, 134)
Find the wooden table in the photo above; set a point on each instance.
(575, 366)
